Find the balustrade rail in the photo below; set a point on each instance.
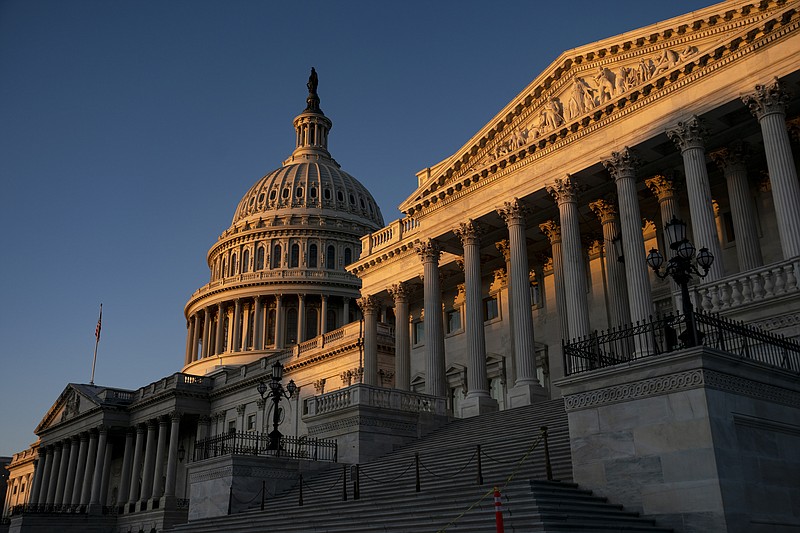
(369, 396)
(50, 508)
(662, 335)
(252, 443)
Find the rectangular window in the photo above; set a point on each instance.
(231, 426)
(419, 332)
(491, 309)
(453, 320)
(251, 422)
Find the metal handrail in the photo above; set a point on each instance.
(258, 444)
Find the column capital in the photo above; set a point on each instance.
(428, 251)
(102, 428)
(551, 230)
(399, 291)
(622, 164)
(734, 156)
(75, 438)
(767, 99)
(152, 423)
(604, 210)
(163, 420)
(367, 304)
(504, 247)
(241, 408)
(663, 186)
(301, 297)
(175, 415)
(469, 232)
(204, 419)
(260, 403)
(513, 212)
(564, 190)
(688, 134)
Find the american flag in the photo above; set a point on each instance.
(99, 324)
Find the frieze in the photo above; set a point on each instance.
(749, 387)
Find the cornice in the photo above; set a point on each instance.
(460, 178)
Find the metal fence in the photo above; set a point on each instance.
(252, 443)
(662, 335)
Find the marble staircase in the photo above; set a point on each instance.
(450, 497)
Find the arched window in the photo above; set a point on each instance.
(276, 256)
(330, 258)
(222, 270)
(294, 258)
(246, 261)
(260, 258)
(271, 327)
(291, 325)
(312, 256)
(232, 271)
(311, 323)
(348, 256)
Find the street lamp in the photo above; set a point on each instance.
(275, 390)
(680, 268)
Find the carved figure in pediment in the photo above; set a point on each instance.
(667, 60)
(552, 116)
(581, 98)
(621, 81)
(518, 138)
(688, 52)
(605, 85)
(643, 71)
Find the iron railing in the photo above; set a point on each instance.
(252, 443)
(662, 335)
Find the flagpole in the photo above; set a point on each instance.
(96, 342)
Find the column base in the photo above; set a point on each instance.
(94, 509)
(478, 405)
(524, 394)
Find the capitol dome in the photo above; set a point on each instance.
(278, 273)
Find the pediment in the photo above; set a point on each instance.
(71, 403)
(595, 81)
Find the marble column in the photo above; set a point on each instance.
(622, 167)
(617, 295)
(345, 310)
(688, 137)
(665, 188)
(161, 449)
(527, 388)
(732, 162)
(38, 470)
(189, 338)
(237, 325)
(369, 309)
(52, 480)
(149, 461)
(768, 104)
(323, 328)
(402, 344)
(172, 456)
(435, 379)
(127, 461)
(552, 231)
(106, 477)
(278, 321)
(66, 447)
(478, 399)
(195, 336)
(258, 323)
(504, 247)
(88, 472)
(48, 466)
(80, 469)
(301, 318)
(220, 335)
(97, 479)
(136, 466)
(565, 192)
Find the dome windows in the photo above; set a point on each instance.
(232, 271)
(261, 198)
(326, 194)
(294, 257)
(273, 194)
(276, 257)
(246, 261)
(260, 257)
(312, 256)
(285, 193)
(352, 199)
(330, 258)
(298, 192)
(363, 205)
(312, 192)
(340, 196)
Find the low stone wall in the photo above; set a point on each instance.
(700, 440)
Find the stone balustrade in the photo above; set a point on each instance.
(391, 234)
(285, 274)
(746, 288)
(370, 396)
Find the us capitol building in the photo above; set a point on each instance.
(521, 272)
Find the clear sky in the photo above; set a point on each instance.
(130, 130)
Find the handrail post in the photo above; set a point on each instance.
(356, 484)
(230, 499)
(344, 483)
(263, 493)
(548, 467)
(480, 472)
(416, 464)
(300, 501)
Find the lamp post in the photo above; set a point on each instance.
(275, 390)
(680, 268)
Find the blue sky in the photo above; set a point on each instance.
(130, 130)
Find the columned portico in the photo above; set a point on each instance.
(62, 471)
(768, 105)
(149, 461)
(279, 343)
(435, 382)
(237, 325)
(527, 388)
(88, 472)
(161, 448)
(478, 399)
(136, 468)
(617, 284)
(689, 136)
(99, 465)
(172, 456)
(301, 318)
(80, 469)
(220, 336)
(565, 192)
(127, 461)
(37, 476)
